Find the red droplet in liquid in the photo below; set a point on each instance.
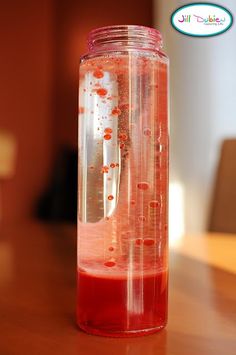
(112, 165)
(110, 197)
(81, 110)
(91, 167)
(98, 74)
(132, 202)
(142, 218)
(110, 263)
(147, 132)
(154, 204)
(148, 241)
(123, 136)
(101, 92)
(139, 241)
(124, 106)
(107, 218)
(108, 130)
(117, 165)
(143, 186)
(107, 137)
(105, 169)
(122, 145)
(111, 248)
(116, 111)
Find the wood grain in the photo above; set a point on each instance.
(37, 301)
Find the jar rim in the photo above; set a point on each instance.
(126, 35)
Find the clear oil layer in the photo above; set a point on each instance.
(123, 194)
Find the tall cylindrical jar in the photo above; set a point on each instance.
(123, 183)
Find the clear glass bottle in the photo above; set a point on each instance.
(123, 183)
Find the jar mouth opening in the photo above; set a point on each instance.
(110, 37)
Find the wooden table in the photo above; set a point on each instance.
(37, 297)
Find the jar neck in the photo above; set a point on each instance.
(124, 37)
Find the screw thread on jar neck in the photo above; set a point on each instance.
(124, 37)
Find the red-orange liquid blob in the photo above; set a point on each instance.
(143, 186)
(104, 311)
(138, 241)
(112, 165)
(110, 197)
(107, 137)
(122, 145)
(111, 248)
(110, 263)
(81, 110)
(142, 218)
(108, 130)
(116, 111)
(123, 136)
(147, 132)
(154, 204)
(98, 74)
(105, 169)
(101, 92)
(148, 241)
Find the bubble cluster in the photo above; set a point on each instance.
(105, 169)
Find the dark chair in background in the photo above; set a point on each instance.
(223, 213)
(59, 201)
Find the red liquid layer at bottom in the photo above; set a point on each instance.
(120, 306)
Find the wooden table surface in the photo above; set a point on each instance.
(38, 287)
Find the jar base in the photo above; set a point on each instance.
(120, 334)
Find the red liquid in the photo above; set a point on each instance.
(118, 306)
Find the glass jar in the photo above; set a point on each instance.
(123, 183)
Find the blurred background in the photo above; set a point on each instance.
(41, 43)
